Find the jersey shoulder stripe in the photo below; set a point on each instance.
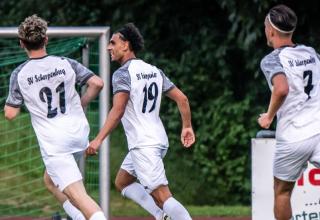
(271, 65)
(15, 98)
(121, 80)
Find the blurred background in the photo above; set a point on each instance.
(211, 49)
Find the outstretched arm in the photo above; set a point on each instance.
(278, 95)
(120, 101)
(187, 134)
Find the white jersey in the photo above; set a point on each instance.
(47, 87)
(141, 121)
(299, 116)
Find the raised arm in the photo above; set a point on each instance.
(187, 134)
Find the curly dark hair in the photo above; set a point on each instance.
(32, 32)
(129, 32)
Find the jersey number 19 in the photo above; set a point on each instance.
(151, 94)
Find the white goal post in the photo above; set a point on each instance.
(104, 71)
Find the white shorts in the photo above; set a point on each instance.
(146, 164)
(63, 169)
(290, 160)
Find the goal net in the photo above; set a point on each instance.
(22, 191)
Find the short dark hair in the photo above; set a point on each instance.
(283, 17)
(129, 32)
(32, 32)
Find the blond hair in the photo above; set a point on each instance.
(32, 32)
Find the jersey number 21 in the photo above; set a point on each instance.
(45, 91)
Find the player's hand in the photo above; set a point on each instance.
(264, 120)
(93, 147)
(187, 137)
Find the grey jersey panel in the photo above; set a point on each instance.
(167, 84)
(271, 65)
(82, 72)
(15, 98)
(121, 81)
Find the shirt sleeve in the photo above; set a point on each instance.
(82, 72)
(167, 84)
(271, 66)
(15, 98)
(121, 81)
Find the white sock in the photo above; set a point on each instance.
(98, 216)
(72, 211)
(175, 210)
(137, 193)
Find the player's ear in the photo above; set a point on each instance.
(273, 32)
(126, 45)
(46, 41)
(21, 44)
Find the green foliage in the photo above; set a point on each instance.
(209, 49)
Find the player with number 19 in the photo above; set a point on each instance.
(138, 88)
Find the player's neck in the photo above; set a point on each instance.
(127, 57)
(282, 42)
(36, 53)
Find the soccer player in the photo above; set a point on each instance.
(137, 89)
(292, 71)
(46, 85)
